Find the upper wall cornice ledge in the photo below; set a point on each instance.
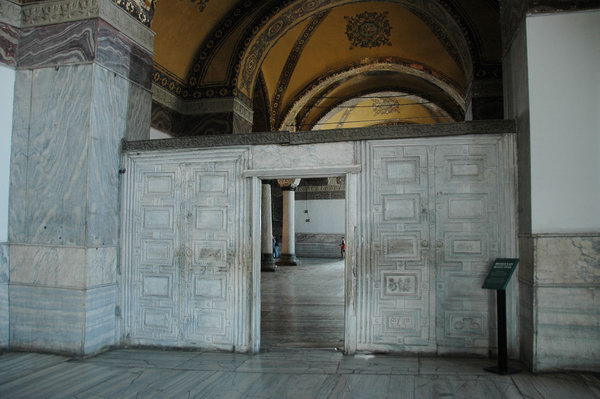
(490, 127)
(60, 11)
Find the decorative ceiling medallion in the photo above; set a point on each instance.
(385, 105)
(201, 4)
(369, 29)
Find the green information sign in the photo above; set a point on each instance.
(499, 276)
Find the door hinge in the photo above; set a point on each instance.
(122, 171)
(118, 311)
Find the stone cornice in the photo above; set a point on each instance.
(204, 106)
(10, 13)
(486, 127)
(60, 11)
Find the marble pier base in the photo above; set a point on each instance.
(64, 205)
(288, 260)
(560, 308)
(62, 299)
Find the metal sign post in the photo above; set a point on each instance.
(497, 279)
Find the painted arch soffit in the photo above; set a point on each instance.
(315, 113)
(406, 67)
(381, 108)
(436, 16)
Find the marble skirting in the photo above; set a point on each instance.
(4, 278)
(318, 245)
(61, 320)
(564, 303)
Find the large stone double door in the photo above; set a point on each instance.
(184, 250)
(432, 228)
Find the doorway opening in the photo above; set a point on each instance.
(303, 295)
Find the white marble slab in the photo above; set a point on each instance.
(568, 260)
(59, 267)
(299, 156)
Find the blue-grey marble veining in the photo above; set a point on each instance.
(48, 266)
(60, 44)
(100, 319)
(46, 319)
(101, 266)
(107, 128)
(4, 263)
(567, 329)
(568, 260)
(58, 154)
(9, 39)
(18, 218)
(121, 55)
(139, 113)
(4, 319)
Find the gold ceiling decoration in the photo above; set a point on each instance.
(368, 29)
(201, 4)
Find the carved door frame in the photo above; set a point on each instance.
(351, 174)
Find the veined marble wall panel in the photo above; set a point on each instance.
(48, 266)
(568, 260)
(299, 156)
(107, 128)
(139, 113)
(4, 264)
(567, 328)
(60, 44)
(186, 260)
(119, 54)
(7, 80)
(9, 39)
(100, 321)
(101, 267)
(567, 302)
(55, 200)
(62, 267)
(18, 218)
(46, 319)
(4, 277)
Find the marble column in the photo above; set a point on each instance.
(267, 261)
(82, 84)
(288, 240)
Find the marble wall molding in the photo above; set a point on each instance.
(330, 136)
(200, 107)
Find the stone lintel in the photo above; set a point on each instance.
(329, 136)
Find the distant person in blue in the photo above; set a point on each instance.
(275, 248)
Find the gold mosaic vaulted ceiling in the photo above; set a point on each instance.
(319, 63)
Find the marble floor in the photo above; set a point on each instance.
(303, 306)
(129, 373)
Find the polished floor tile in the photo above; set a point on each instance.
(302, 374)
(303, 306)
